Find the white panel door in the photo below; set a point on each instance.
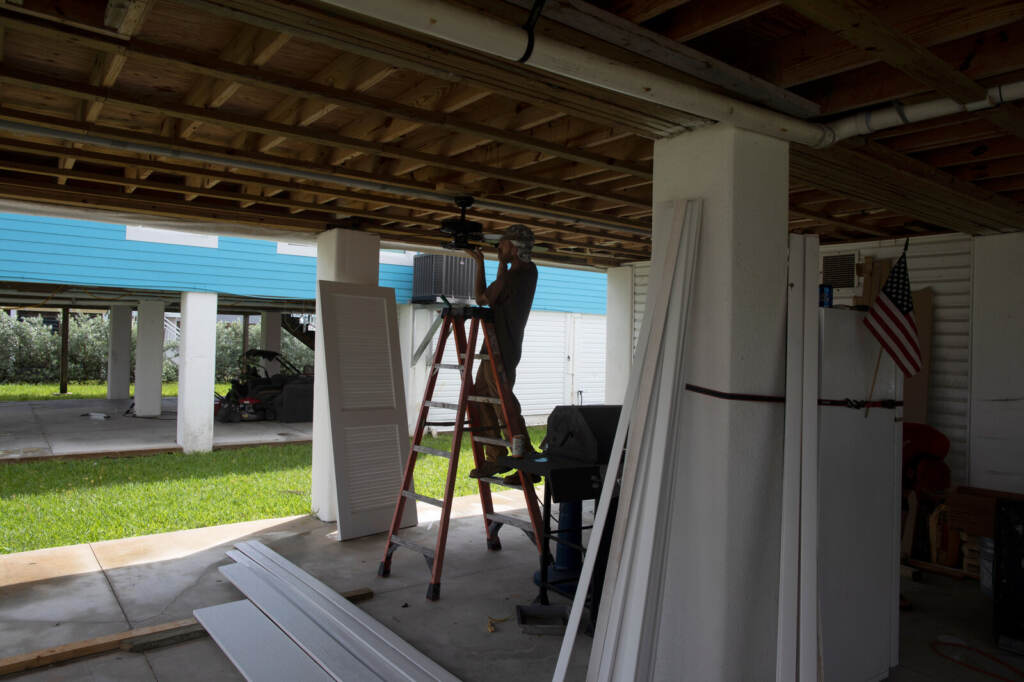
(641, 273)
(367, 405)
(588, 359)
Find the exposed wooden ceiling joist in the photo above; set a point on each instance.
(699, 17)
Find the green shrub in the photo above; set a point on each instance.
(30, 350)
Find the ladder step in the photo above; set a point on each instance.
(431, 451)
(509, 521)
(445, 365)
(442, 405)
(408, 544)
(494, 480)
(492, 441)
(485, 399)
(462, 356)
(422, 498)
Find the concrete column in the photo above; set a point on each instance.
(197, 356)
(119, 353)
(619, 334)
(722, 500)
(149, 358)
(342, 256)
(270, 338)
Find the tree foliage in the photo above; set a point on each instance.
(30, 350)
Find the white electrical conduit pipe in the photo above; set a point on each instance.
(477, 31)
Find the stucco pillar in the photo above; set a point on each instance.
(149, 358)
(619, 334)
(342, 256)
(270, 338)
(119, 353)
(197, 356)
(723, 495)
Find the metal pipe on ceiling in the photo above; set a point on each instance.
(477, 31)
(19, 128)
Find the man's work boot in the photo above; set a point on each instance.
(488, 470)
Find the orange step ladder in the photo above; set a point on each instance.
(454, 324)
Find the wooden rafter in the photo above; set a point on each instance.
(699, 17)
(815, 53)
(11, 76)
(311, 100)
(641, 10)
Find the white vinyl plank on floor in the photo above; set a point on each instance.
(256, 646)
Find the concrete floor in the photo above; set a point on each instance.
(46, 428)
(55, 596)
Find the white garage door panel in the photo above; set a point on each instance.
(588, 358)
(641, 274)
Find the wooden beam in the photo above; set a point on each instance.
(639, 11)
(815, 53)
(879, 176)
(846, 224)
(126, 18)
(19, 78)
(579, 15)
(988, 55)
(975, 152)
(700, 17)
(859, 26)
(250, 47)
(972, 132)
(286, 165)
(450, 62)
(322, 94)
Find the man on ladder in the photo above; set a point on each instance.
(510, 296)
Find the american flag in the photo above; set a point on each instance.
(891, 319)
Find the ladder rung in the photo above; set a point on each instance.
(462, 356)
(494, 480)
(445, 365)
(422, 498)
(408, 544)
(485, 399)
(442, 405)
(510, 521)
(492, 441)
(431, 451)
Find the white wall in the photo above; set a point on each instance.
(997, 364)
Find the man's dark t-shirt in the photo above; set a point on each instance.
(511, 310)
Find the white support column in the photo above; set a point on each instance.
(270, 338)
(149, 358)
(619, 333)
(722, 503)
(342, 256)
(119, 353)
(198, 353)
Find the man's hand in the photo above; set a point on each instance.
(476, 254)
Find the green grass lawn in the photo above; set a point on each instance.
(19, 392)
(48, 504)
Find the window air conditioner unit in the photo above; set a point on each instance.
(435, 275)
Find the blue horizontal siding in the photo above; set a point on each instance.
(87, 253)
(563, 290)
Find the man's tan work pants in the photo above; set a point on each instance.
(488, 417)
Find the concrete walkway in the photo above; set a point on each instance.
(56, 596)
(45, 428)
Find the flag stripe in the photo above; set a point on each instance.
(899, 320)
(895, 334)
(883, 338)
(891, 319)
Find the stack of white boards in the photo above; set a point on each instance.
(291, 626)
